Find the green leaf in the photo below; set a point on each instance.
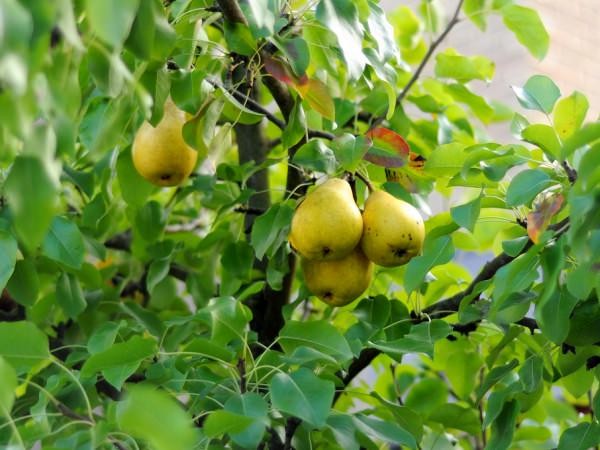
(462, 370)
(154, 416)
(552, 315)
(531, 373)
(539, 93)
(427, 395)
(7, 387)
(515, 276)
(223, 422)
(420, 339)
(150, 221)
(8, 257)
(528, 28)
(270, 230)
(295, 127)
(130, 352)
(580, 437)
(250, 406)
(315, 155)
(349, 150)
(587, 134)
(515, 246)
(70, 295)
(239, 38)
(435, 252)
(544, 137)
(466, 215)
(229, 319)
(134, 188)
(475, 10)
(382, 32)
(304, 395)
(503, 427)
(319, 335)
(526, 185)
(569, 114)
(23, 345)
(158, 270)
(31, 190)
(341, 18)
(450, 64)
(384, 430)
(64, 243)
(458, 417)
(111, 20)
(261, 16)
(24, 284)
(494, 376)
(446, 160)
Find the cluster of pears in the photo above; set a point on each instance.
(339, 244)
(160, 154)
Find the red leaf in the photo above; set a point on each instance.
(316, 93)
(389, 139)
(280, 71)
(539, 219)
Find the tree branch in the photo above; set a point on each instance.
(430, 51)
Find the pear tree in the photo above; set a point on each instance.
(268, 224)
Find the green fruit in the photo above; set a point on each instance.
(327, 225)
(393, 230)
(160, 154)
(340, 281)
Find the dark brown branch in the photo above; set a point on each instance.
(571, 173)
(232, 12)
(430, 51)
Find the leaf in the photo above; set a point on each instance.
(539, 219)
(446, 160)
(252, 406)
(315, 155)
(494, 376)
(569, 114)
(280, 71)
(552, 315)
(587, 134)
(133, 351)
(318, 96)
(7, 388)
(260, 14)
(349, 150)
(223, 422)
(384, 430)
(462, 370)
(64, 243)
(31, 190)
(229, 319)
(111, 20)
(158, 270)
(382, 32)
(539, 93)
(24, 284)
(270, 230)
(8, 257)
(420, 339)
(450, 64)
(515, 246)
(239, 38)
(295, 128)
(304, 395)
(23, 345)
(458, 417)
(503, 427)
(435, 252)
(528, 28)
(531, 373)
(526, 185)
(426, 395)
(466, 215)
(318, 335)
(156, 417)
(544, 137)
(476, 12)
(341, 18)
(70, 295)
(580, 437)
(515, 276)
(387, 148)
(134, 188)
(298, 55)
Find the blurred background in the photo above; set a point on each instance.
(572, 61)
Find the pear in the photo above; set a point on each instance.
(160, 154)
(393, 230)
(340, 281)
(327, 225)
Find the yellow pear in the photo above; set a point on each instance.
(340, 281)
(327, 225)
(393, 230)
(160, 154)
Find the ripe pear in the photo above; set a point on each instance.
(327, 225)
(340, 281)
(160, 154)
(393, 230)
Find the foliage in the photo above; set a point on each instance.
(176, 318)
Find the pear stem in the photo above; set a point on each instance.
(365, 180)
